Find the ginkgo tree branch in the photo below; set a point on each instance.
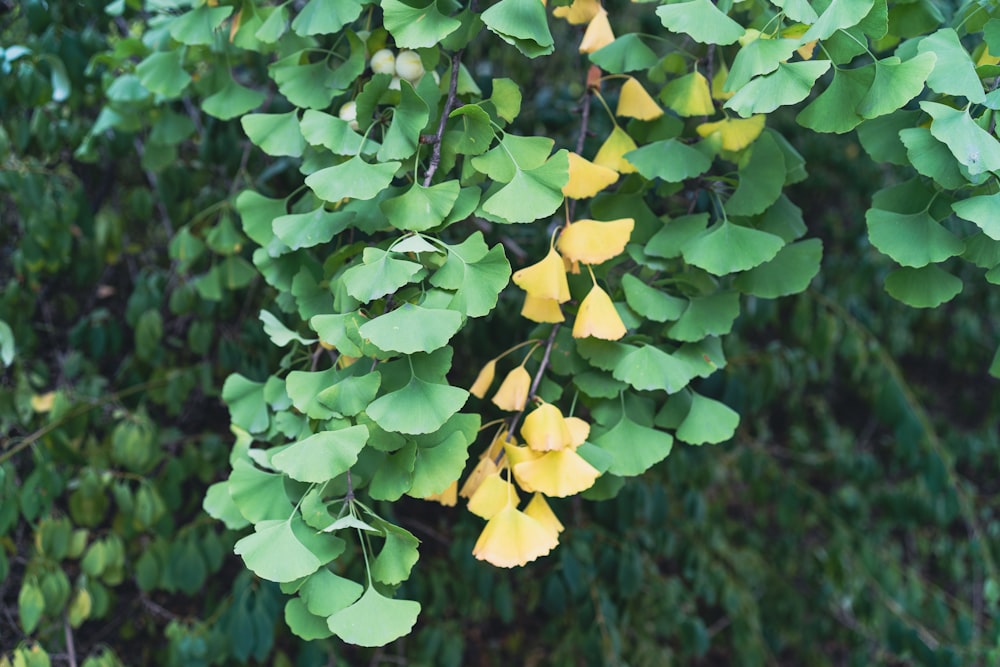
(449, 103)
(536, 380)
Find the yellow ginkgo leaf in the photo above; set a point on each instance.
(578, 13)
(635, 102)
(539, 509)
(719, 83)
(689, 95)
(448, 497)
(484, 469)
(513, 391)
(613, 149)
(586, 179)
(484, 379)
(557, 474)
(545, 279)
(512, 539)
(593, 242)
(491, 496)
(43, 402)
(541, 310)
(987, 58)
(544, 429)
(736, 133)
(517, 455)
(578, 430)
(597, 317)
(598, 33)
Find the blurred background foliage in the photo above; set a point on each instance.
(851, 521)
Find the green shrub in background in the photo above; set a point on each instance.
(340, 290)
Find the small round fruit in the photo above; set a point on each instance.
(349, 112)
(409, 66)
(383, 62)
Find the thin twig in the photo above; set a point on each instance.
(449, 102)
(536, 381)
(70, 648)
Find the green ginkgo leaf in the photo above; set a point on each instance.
(275, 133)
(351, 395)
(247, 407)
(379, 274)
(477, 277)
(232, 100)
(788, 84)
(412, 328)
(258, 495)
(532, 193)
(275, 553)
(895, 84)
(334, 134)
(219, 505)
(398, 555)
(256, 213)
(648, 368)
(163, 73)
(408, 118)
(954, 72)
(324, 593)
(672, 160)
(627, 53)
(325, 17)
(701, 20)
(417, 396)
(522, 24)
(441, 456)
(727, 248)
(914, 239)
(797, 10)
(762, 178)
(634, 448)
(374, 620)
(761, 56)
(418, 407)
(394, 476)
(304, 386)
(838, 15)
(419, 208)
(417, 27)
(835, 109)
(355, 178)
(304, 624)
(305, 230)
(710, 315)
(880, 137)
(932, 158)
(675, 233)
(323, 456)
(925, 287)
(650, 302)
(305, 84)
(971, 145)
(197, 27)
(790, 272)
(470, 131)
(274, 26)
(707, 421)
(984, 210)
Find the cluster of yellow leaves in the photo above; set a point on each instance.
(547, 465)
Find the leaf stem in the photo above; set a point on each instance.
(536, 381)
